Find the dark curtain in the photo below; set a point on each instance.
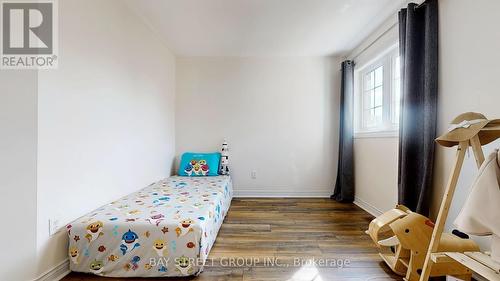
(344, 186)
(418, 44)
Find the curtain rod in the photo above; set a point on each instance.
(419, 3)
(373, 42)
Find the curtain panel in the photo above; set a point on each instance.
(344, 186)
(418, 44)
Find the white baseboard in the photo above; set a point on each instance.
(55, 274)
(282, 192)
(372, 210)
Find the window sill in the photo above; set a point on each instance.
(376, 134)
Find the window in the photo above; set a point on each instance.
(396, 90)
(373, 98)
(378, 94)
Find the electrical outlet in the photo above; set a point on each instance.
(54, 226)
(253, 175)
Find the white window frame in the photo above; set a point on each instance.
(387, 128)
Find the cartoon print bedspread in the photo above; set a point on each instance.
(165, 229)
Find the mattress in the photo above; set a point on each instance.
(165, 229)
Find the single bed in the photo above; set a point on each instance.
(165, 229)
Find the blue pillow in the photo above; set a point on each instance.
(199, 164)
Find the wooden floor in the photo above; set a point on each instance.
(285, 231)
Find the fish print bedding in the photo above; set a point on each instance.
(165, 229)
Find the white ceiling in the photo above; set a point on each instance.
(263, 27)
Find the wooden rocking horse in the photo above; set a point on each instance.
(415, 242)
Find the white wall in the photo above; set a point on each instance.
(376, 157)
(468, 78)
(279, 115)
(376, 173)
(18, 173)
(106, 116)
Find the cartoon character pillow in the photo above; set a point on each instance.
(199, 164)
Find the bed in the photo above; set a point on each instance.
(165, 229)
